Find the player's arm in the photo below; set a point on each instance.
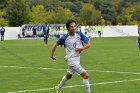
(87, 45)
(53, 51)
(139, 30)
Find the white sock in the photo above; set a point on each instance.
(87, 86)
(62, 82)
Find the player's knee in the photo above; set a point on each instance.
(68, 76)
(85, 75)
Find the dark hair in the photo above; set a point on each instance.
(68, 23)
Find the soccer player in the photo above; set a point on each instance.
(73, 43)
(46, 33)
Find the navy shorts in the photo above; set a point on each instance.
(139, 42)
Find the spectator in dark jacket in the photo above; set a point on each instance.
(2, 30)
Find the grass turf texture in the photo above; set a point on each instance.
(118, 54)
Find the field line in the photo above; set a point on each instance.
(101, 83)
(19, 67)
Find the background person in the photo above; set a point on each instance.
(2, 31)
(46, 33)
(139, 34)
(34, 31)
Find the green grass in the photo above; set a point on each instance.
(118, 54)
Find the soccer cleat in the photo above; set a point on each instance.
(56, 89)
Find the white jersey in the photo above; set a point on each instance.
(72, 42)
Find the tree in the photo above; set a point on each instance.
(89, 15)
(60, 16)
(3, 22)
(33, 3)
(107, 9)
(79, 4)
(86, 1)
(51, 5)
(71, 6)
(122, 19)
(97, 18)
(128, 12)
(38, 14)
(2, 3)
(136, 14)
(17, 12)
(127, 3)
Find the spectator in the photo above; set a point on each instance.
(2, 30)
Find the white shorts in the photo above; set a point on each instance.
(74, 65)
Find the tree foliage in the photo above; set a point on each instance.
(136, 13)
(114, 12)
(71, 6)
(107, 9)
(38, 14)
(51, 5)
(89, 15)
(59, 16)
(2, 3)
(3, 22)
(17, 12)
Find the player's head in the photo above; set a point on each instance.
(69, 23)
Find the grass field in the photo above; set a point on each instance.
(113, 65)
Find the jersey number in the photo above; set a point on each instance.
(74, 45)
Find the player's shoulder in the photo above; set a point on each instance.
(61, 40)
(64, 37)
(80, 34)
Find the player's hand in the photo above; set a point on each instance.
(53, 57)
(79, 49)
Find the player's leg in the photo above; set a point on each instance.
(64, 79)
(85, 76)
(99, 33)
(46, 40)
(80, 70)
(61, 84)
(2, 38)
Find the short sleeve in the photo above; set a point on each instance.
(83, 37)
(61, 41)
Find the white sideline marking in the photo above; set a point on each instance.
(115, 72)
(102, 83)
(65, 69)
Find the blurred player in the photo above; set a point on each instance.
(2, 30)
(73, 44)
(46, 33)
(139, 34)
